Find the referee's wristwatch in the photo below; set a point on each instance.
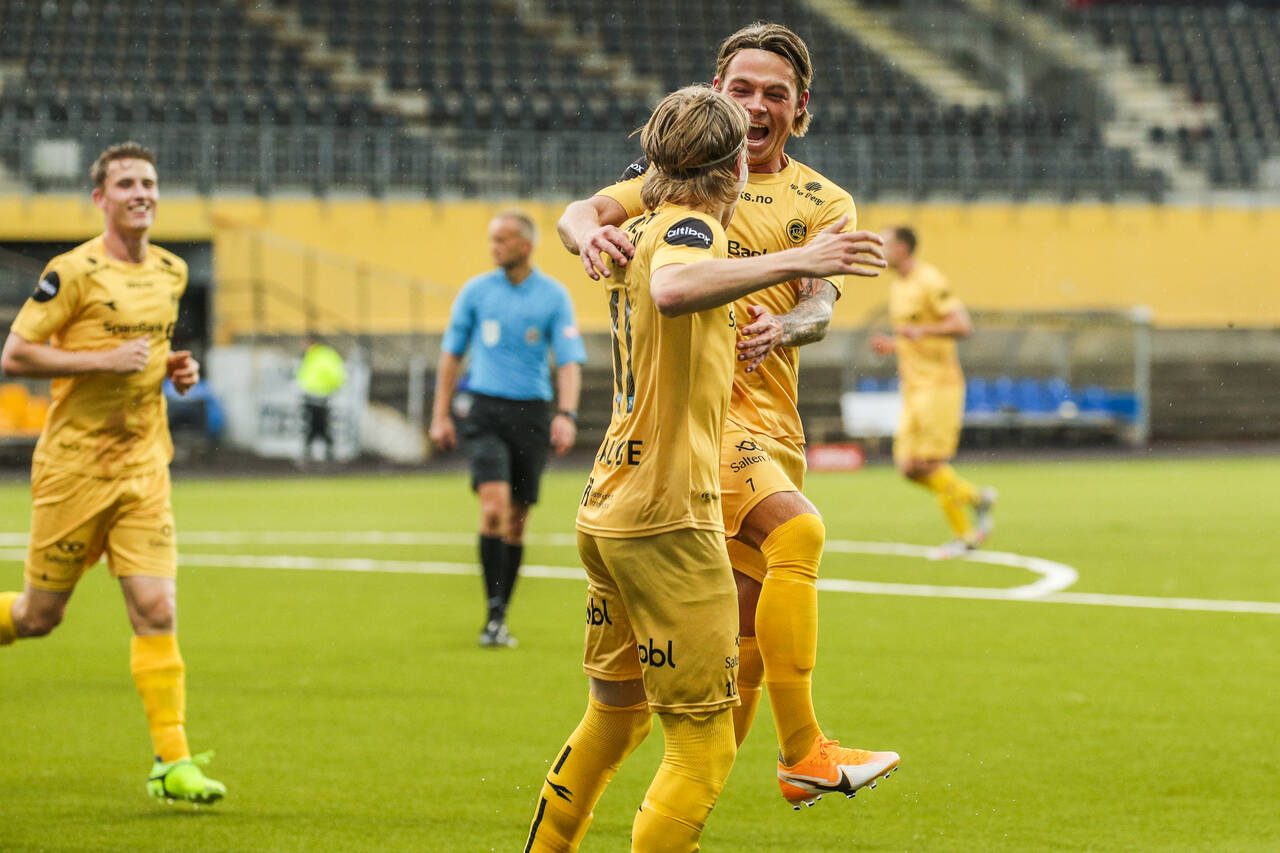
(573, 416)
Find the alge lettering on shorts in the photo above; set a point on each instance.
(620, 451)
(598, 615)
(652, 655)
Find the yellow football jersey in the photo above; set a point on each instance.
(106, 424)
(776, 211)
(924, 296)
(658, 468)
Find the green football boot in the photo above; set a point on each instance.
(184, 780)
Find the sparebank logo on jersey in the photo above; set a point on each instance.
(654, 655)
(690, 231)
(132, 330)
(47, 287)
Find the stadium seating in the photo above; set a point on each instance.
(1226, 54)
(510, 104)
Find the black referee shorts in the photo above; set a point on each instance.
(508, 441)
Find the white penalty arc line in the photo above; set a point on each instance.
(1054, 577)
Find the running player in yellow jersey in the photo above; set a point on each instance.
(100, 474)
(776, 534)
(661, 606)
(927, 318)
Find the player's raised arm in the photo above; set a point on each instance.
(683, 289)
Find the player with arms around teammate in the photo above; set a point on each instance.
(509, 319)
(99, 325)
(927, 319)
(776, 534)
(661, 606)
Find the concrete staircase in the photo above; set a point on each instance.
(929, 69)
(347, 75)
(1140, 99)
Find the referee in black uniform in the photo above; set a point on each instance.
(509, 320)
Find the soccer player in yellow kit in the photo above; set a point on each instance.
(927, 319)
(100, 474)
(775, 534)
(661, 606)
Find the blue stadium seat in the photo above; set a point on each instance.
(1123, 405)
(1033, 398)
(1093, 400)
(868, 385)
(1004, 394)
(977, 396)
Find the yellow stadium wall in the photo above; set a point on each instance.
(1197, 267)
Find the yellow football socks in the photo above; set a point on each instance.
(695, 764)
(7, 632)
(160, 675)
(787, 629)
(750, 681)
(956, 496)
(582, 770)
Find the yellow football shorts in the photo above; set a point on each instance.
(663, 608)
(75, 519)
(929, 427)
(752, 467)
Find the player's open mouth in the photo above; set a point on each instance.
(757, 132)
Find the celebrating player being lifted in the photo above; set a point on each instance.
(775, 534)
(100, 475)
(662, 616)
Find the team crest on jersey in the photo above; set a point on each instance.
(797, 231)
(690, 231)
(532, 335)
(47, 287)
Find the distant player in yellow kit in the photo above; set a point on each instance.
(661, 610)
(99, 324)
(776, 534)
(927, 318)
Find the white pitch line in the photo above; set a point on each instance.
(1054, 576)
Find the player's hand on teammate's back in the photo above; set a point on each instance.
(183, 370)
(130, 357)
(759, 337)
(606, 240)
(442, 432)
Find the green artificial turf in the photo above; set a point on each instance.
(352, 711)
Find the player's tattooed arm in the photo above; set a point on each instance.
(808, 321)
(805, 323)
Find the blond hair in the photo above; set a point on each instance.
(123, 151)
(774, 38)
(692, 142)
